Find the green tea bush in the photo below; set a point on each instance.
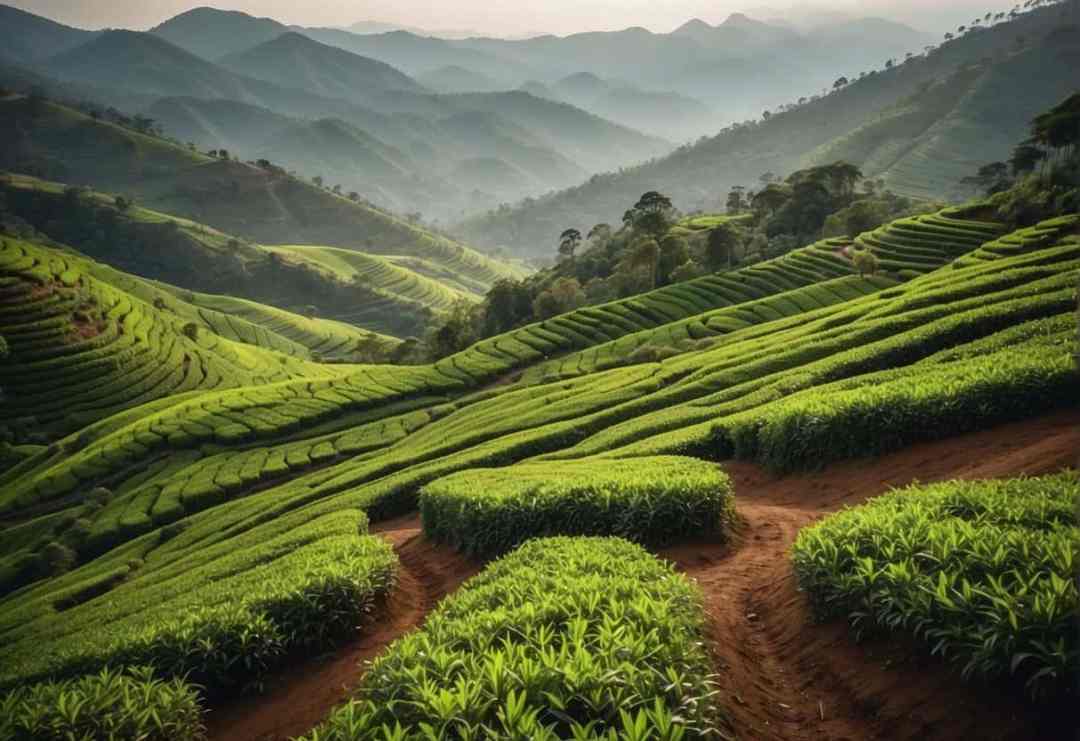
(647, 500)
(983, 572)
(130, 705)
(861, 418)
(581, 638)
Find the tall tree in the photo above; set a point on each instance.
(568, 243)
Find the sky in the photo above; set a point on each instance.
(509, 17)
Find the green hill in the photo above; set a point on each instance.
(28, 37)
(293, 60)
(195, 257)
(81, 349)
(256, 203)
(130, 541)
(698, 176)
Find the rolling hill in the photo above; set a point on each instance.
(25, 37)
(203, 486)
(295, 61)
(255, 203)
(698, 176)
(211, 33)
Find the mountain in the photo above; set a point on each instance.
(455, 79)
(664, 114)
(211, 33)
(25, 37)
(218, 123)
(260, 204)
(416, 55)
(295, 61)
(698, 176)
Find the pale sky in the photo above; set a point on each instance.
(506, 16)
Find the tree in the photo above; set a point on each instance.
(508, 303)
(318, 180)
(354, 196)
(770, 199)
(865, 262)
(600, 234)
(991, 178)
(123, 204)
(369, 349)
(720, 247)
(674, 251)
(651, 214)
(1025, 158)
(456, 331)
(564, 295)
(644, 257)
(840, 82)
(736, 200)
(568, 243)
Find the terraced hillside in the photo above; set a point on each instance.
(392, 295)
(384, 273)
(121, 548)
(81, 348)
(55, 142)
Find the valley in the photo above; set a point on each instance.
(361, 383)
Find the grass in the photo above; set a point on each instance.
(655, 501)
(564, 638)
(981, 572)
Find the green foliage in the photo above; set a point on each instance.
(982, 572)
(564, 638)
(127, 705)
(220, 614)
(655, 501)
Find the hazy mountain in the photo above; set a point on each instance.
(217, 124)
(295, 61)
(662, 113)
(921, 154)
(416, 55)
(455, 79)
(25, 37)
(211, 33)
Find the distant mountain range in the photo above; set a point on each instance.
(920, 124)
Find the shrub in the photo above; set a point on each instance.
(129, 705)
(564, 638)
(652, 354)
(57, 558)
(191, 331)
(983, 572)
(647, 500)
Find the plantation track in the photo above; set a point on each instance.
(295, 702)
(782, 676)
(785, 677)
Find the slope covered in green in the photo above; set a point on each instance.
(160, 512)
(261, 204)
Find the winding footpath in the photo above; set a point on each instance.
(781, 675)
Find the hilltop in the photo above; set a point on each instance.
(258, 203)
(820, 127)
(295, 61)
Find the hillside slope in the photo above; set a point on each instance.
(293, 60)
(260, 204)
(699, 176)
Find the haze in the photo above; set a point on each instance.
(507, 17)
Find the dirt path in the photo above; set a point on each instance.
(784, 677)
(298, 700)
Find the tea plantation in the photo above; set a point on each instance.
(211, 523)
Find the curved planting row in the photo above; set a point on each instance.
(236, 462)
(378, 274)
(919, 244)
(80, 350)
(1023, 241)
(655, 501)
(982, 572)
(581, 638)
(216, 607)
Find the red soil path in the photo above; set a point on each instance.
(782, 676)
